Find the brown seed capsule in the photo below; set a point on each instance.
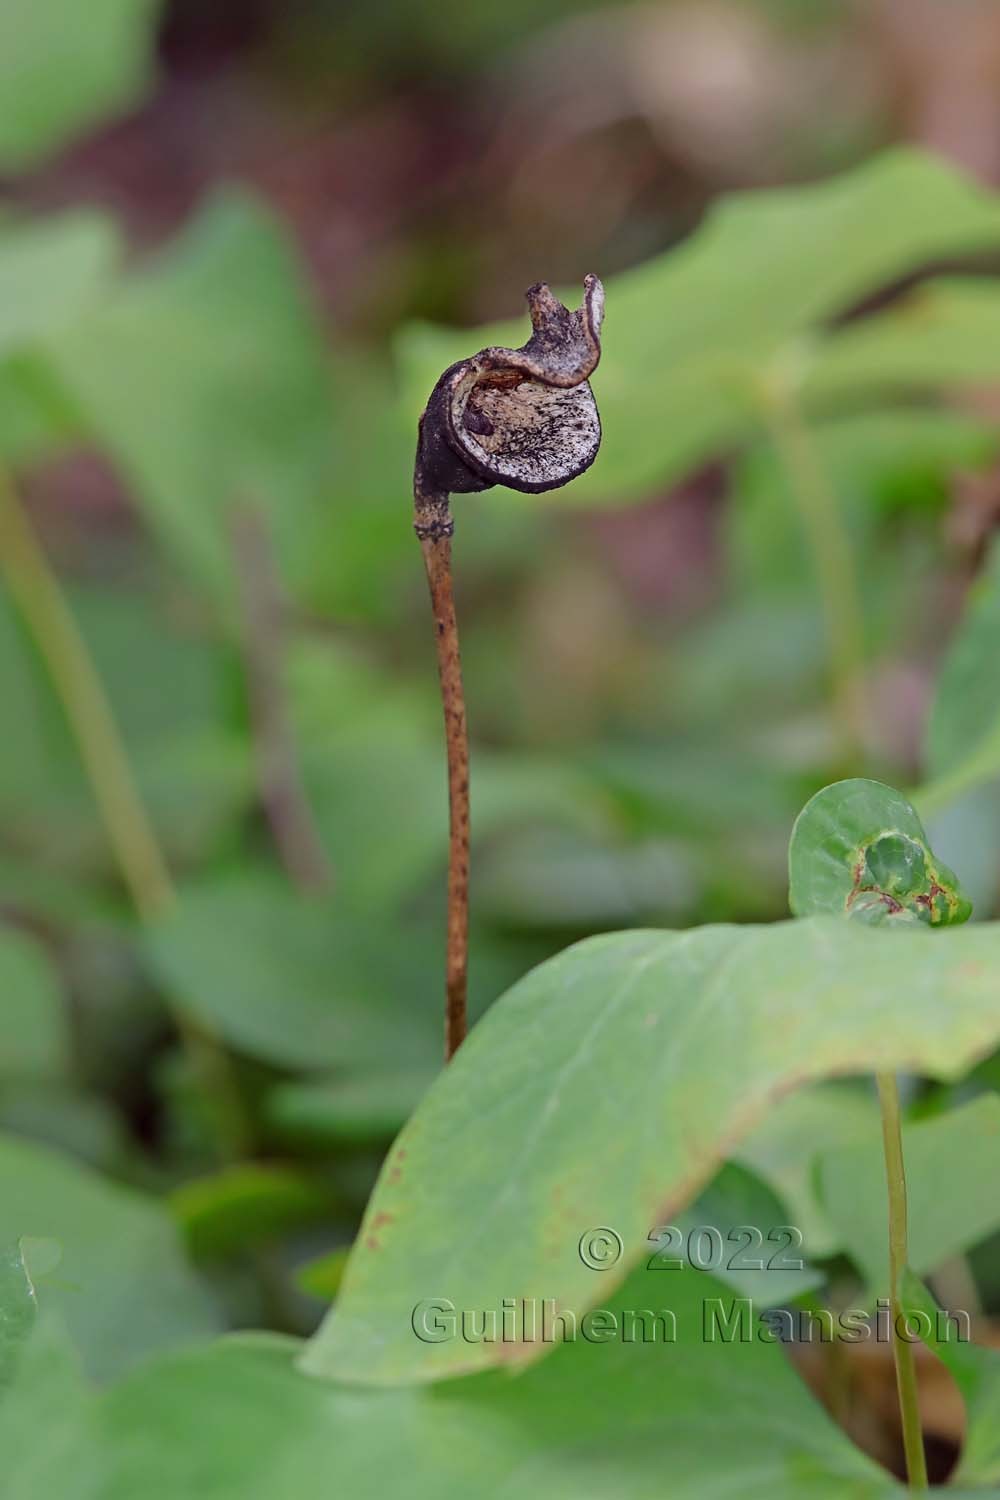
(525, 418)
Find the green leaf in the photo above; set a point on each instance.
(368, 1105)
(18, 1308)
(751, 665)
(238, 1421)
(691, 335)
(193, 769)
(321, 1278)
(37, 418)
(205, 379)
(859, 849)
(950, 1170)
(47, 1434)
(966, 828)
(976, 1372)
(698, 786)
(783, 1149)
(889, 469)
(962, 747)
(381, 801)
(360, 562)
(58, 1113)
(53, 273)
(304, 984)
(34, 1024)
(944, 334)
(606, 1088)
(546, 878)
(243, 1204)
(65, 67)
(772, 1271)
(966, 709)
(123, 1286)
(35, 750)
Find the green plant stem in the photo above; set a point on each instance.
(906, 1370)
(978, 768)
(40, 600)
(830, 548)
(42, 604)
(282, 790)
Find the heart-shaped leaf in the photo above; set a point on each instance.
(122, 1284)
(605, 1089)
(617, 1412)
(952, 1202)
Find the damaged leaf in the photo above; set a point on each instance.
(859, 848)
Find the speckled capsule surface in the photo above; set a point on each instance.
(525, 418)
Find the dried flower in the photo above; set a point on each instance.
(525, 418)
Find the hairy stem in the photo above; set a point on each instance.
(906, 1371)
(830, 548)
(282, 794)
(437, 560)
(37, 593)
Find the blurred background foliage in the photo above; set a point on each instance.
(238, 244)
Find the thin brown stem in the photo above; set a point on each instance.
(282, 793)
(436, 548)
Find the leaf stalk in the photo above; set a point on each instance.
(39, 597)
(906, 1370)
(830, 548)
